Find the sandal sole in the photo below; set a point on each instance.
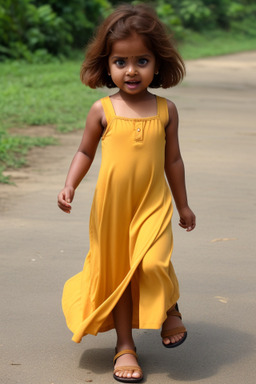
(174, 345)
(127, 379)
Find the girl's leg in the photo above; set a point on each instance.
(123, 324)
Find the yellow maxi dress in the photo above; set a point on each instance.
(130, 230)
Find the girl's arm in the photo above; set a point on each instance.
(84, 156)
(175, 172)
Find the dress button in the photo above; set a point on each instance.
(138, 131)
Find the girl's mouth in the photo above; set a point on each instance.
(132, 84)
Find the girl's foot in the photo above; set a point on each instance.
(126, 368)
(173, 331)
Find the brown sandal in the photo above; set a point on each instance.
(174, 331)
(127, 368)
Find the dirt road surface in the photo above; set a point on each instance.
(41, 248)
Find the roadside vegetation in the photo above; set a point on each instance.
(41, 50)
(34, 95)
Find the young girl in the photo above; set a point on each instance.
(128, 280)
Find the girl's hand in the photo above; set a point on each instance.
(65, 197)
(187, 219)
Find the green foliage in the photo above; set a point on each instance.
(33, 30)
(204, 15)
(36, 30)
(195, 14)
(27, 31)
(80, 15)
(169, 17)
(243, 17)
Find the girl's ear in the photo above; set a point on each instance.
(157, 68)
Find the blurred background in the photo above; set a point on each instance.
(42, 46)
(37, 29)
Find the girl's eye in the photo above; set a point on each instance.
(120, 63)
(143, 62)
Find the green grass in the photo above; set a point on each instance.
(52, 94)
(216, 43)
(39, 95)
(46, 94)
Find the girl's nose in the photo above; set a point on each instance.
(131, 70)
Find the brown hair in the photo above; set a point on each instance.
(124, 21)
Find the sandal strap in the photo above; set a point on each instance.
(173, 332)
(174, 312)
(125, 352)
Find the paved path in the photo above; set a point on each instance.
(41, 247)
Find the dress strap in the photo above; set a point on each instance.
(108, 108)
(163, 110)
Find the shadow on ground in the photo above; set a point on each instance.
(208, 349)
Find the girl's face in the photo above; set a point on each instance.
(131, 65)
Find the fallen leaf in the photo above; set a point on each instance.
(223, 239)
(221, 299)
